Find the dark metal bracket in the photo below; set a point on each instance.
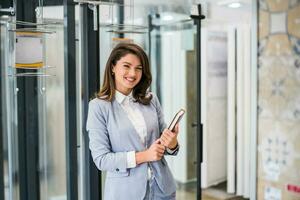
(197, 21)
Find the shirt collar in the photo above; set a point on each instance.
(121, 97)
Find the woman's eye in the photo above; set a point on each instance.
(127, 66)
(139, 69)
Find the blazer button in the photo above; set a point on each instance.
(117, 169)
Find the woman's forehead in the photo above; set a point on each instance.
(131, 59)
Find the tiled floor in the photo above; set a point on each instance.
(217, 192)
(213, 193)
(187, 195)
(184, 195)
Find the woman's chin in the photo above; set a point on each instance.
(130, 85)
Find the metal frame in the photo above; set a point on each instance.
(7, 7)
(27, 120)
(90, 81)
(70, 100)
(52, 2)
(254, 99)
(158, 63)
(1, 135)
(157, 52)
(197, 20)
(6, 4)
(121, 17)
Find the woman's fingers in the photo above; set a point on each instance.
(157, 141)
(161, 148)
(164, 141)
(170, 133)
(160, 152)
(163, 138)
(176, 130)
(167, 138)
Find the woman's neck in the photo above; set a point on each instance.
(126, 93)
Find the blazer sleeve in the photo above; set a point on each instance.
(99, 143)
(161, 121)
(160, 116)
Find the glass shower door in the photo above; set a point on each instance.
(46, 152)
(174, 69)
(9, 122)
(52, 155)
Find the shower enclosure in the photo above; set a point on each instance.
(44, 150)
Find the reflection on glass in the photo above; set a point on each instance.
(52, 121)
(177, 82)
(3, 89)
(10, 124)
(52, 162)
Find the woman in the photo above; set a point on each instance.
(127, 131)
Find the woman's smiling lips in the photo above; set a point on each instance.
(131, 80)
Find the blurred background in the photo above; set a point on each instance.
(236, 73)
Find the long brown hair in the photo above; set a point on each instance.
(139, 92)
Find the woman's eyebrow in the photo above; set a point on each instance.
(140, 65)
(127, 63)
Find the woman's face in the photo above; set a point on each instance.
(128, 73)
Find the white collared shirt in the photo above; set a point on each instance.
(137, 119)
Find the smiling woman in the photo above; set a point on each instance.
(127, 69)
(127, 73)
(128, 135)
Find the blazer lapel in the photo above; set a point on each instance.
(122, 116)
(148, 117)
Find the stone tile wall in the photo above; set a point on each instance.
(278, 99)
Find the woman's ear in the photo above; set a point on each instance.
(113, 69)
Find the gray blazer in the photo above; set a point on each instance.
(112, 135)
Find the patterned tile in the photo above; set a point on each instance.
(294, 3)
(277, 85)
(263, 23)
(294, 22)
(278, 44)
(279, 150)
(261, 48)
(278, 5)
(278, 96)
(278, 23)
(263, 5)
(297, 69)
(292, 111)
(295, 43)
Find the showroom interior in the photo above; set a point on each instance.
(233, 65)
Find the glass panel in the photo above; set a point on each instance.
(9, 103)
(174, 72)
(5, 128)
(51, 122)
(52, 104)
(51, 119)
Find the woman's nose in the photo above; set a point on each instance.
(132, 72)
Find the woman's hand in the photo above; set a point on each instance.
(154, 153)
(169, 138)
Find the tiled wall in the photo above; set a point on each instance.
(278, 99)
